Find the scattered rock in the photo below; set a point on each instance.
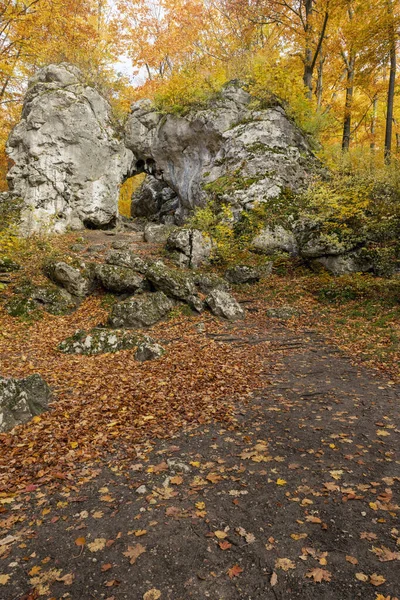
(141, 311)
(70, 278)
(206, 282)
(155, 200)
(342, 265)
(283, 312)
(120, 244)
(120, 280)
(156, 233)
(178, 466)
(67, 160)
(99, 341)
(224, 305)
(22, 399)
(126, 258)
(276, 239)
(192, 247)
(148, 350)
(242, 274)
(175, 283)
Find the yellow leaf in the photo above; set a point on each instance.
(281, 482)
(140, 532)
(36, 419)
(34, 571)
(152, 594)
(97, 544)
(195, 463)
(4, 579)
(73, 445)
(200, 505)
(221, 535)
(298, 536)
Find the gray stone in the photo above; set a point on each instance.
(275, 239)
(99, 341)
(192, 246)
(94, 248)
(175, 283)
(206, 282)
(242, 274)
(22, 399)
(224, 305)
(342, 265)
(154, 200)
(148, 350)
(126, 258)
(120, 244)
(234, 148)
(70, 278)
(156, 233)
(284, 313)
(120, 280)
(141, 311)
(67, 160)
(54, 300)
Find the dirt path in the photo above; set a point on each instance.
(304, 488)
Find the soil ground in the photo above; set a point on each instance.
(295, 496)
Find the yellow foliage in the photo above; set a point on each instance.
(126, 191)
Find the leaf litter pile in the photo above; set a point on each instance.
(109, 403)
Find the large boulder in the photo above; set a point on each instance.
(148, 349)
(72, 279)
(99, 341)
(141, 311)
(120, 280)
(68, 163)
(224, 305)
(175, 283)
(240, 274)
(22, 399)
(126, 258)
(156, 233)
(236, 150)
(154, 200)
(190, 247)
(275, 239)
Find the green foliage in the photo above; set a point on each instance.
(358, 287)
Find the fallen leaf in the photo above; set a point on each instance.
(225, 545)
(352, 560)
(4, 579)
(319, 575)
(80, 541)
(152, 594)
(376, 579)
(221, 535)
(97, 544)
(66, 579)
(106, 567)
(361, 577)
(134, 552)
(274, 579)
(281, 482)
(140, 532)
(298, 536)
(234, 571)
(285, 564)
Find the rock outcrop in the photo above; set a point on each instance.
(22, 399)
(99, 341)
(224, 305)
(68, 162)
(234, 149)
(142, 311)
(190, 247)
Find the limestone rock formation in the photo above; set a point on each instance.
(242, 274)
(148, 349)
(68, 162)
(155, 200)
(141, 311)
(76, 282)
(190, 247)
(99, 341)
(120, 280)
(176, 284)
(233, 149)
(22, 399)
(224, 305)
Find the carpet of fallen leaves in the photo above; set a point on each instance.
(110, 403)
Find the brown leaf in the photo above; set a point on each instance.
(319, 575)
(225, 545)
(285, 564)
(274, 579)
(352, 560)
(80, 541)
(134, 552)
(234, 571)
(376, 579)
(106, 567)
(152, 594)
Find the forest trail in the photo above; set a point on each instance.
(298, 498)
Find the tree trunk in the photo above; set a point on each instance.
(391, 88)
(349, 103)
(373, 123)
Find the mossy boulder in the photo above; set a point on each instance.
(176, 284)
(77, 281)
(142, 311)
(7, 265)
(126, 258)
(22, 399)
(120, 280)
(29, 300)
(99, 341)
